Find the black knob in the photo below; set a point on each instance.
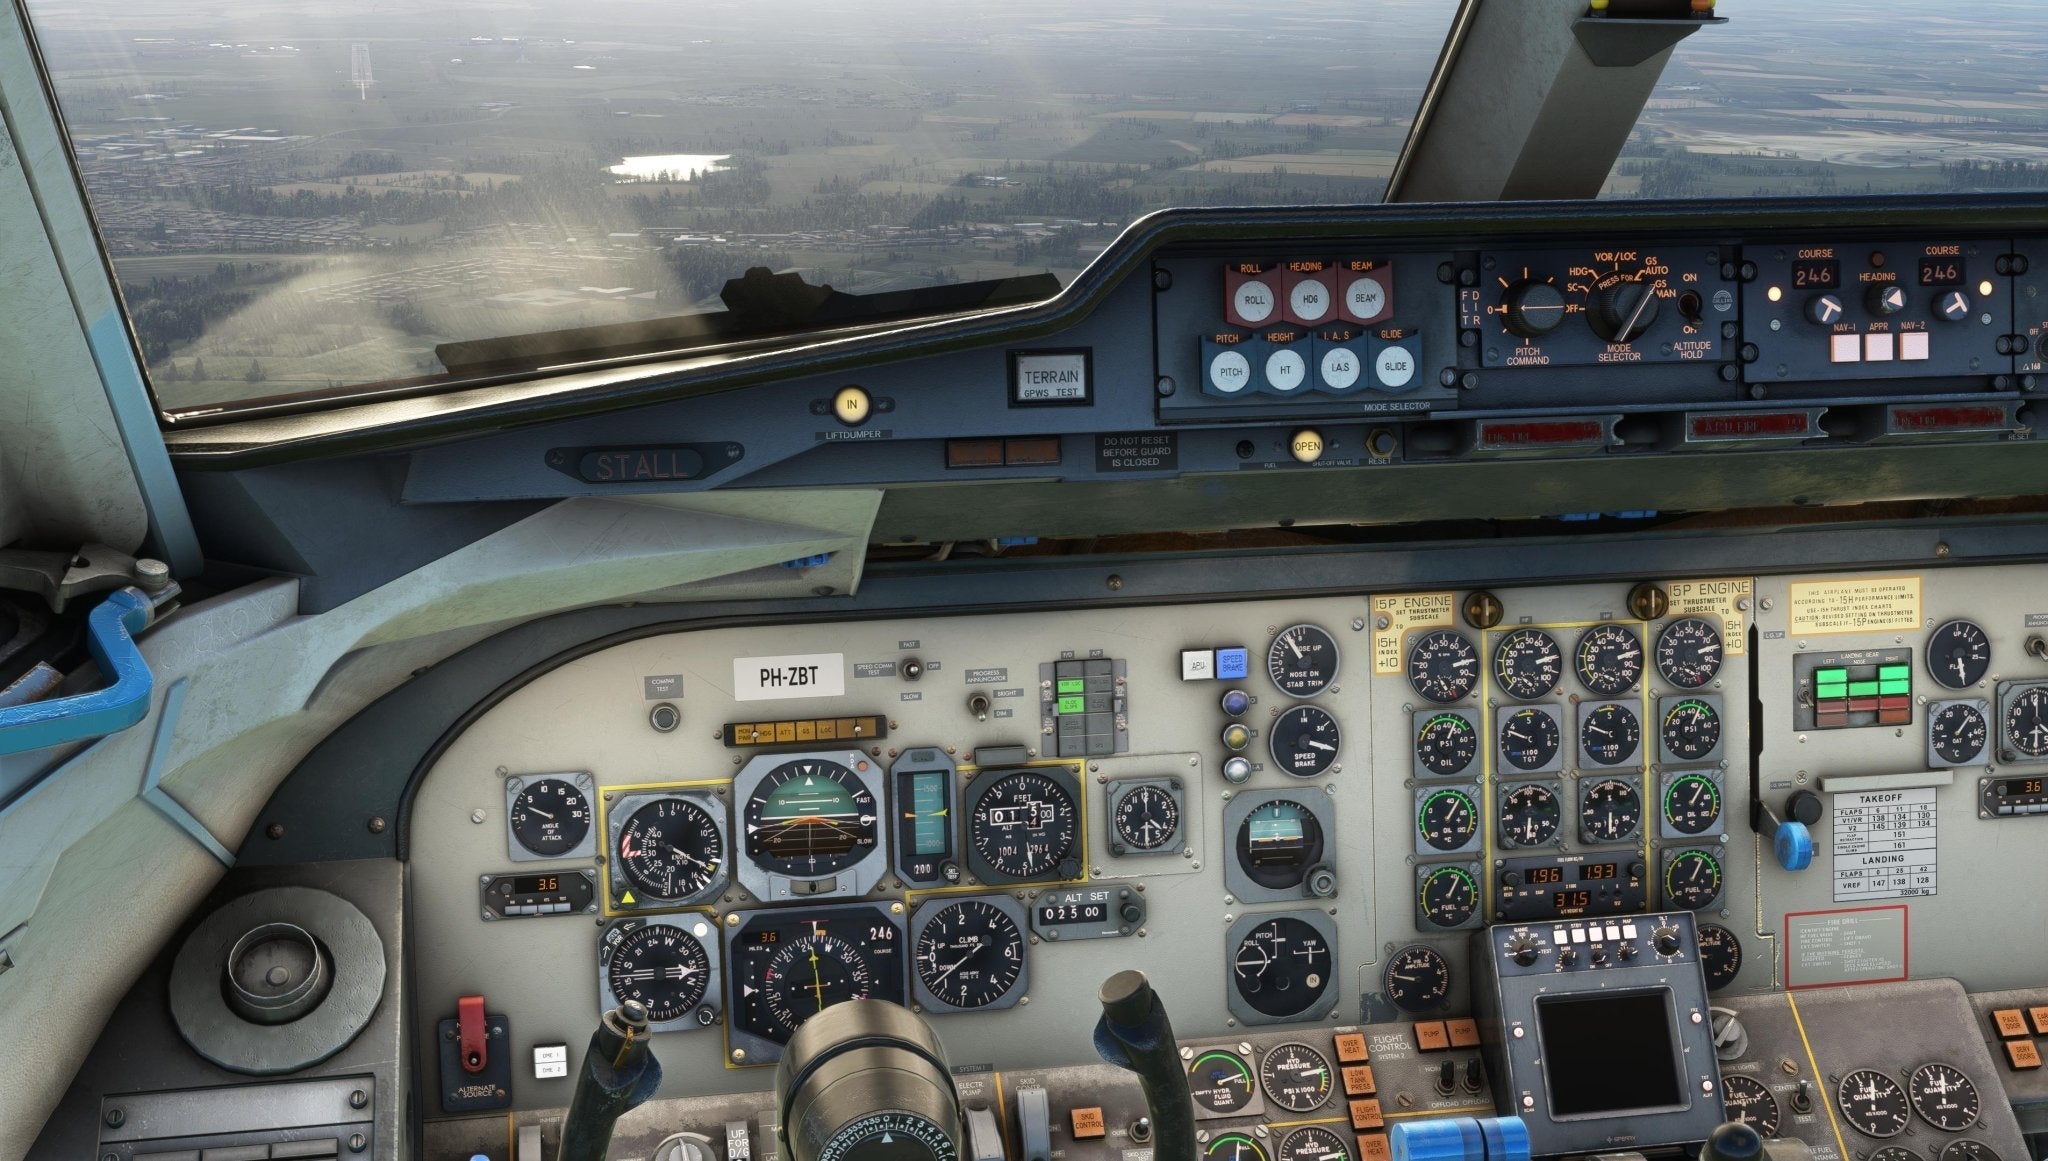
(1533, 308)
(1885, 298)
(1599, 955)
(1629, 951)
(1130, 913)
(1511, 879)
(1567, 956)
(1952, 306)
(1666, 941)
(1805, 806)
(1825, 309)
(1636, 869)
(1473, 1079)
(1624, 311)
(1446, 1076)
(1525, 949)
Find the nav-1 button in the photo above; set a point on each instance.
(1845, 348)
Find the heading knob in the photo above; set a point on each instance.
(1885, 298)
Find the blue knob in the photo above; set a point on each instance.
(1460, 1139)
(1793, 844)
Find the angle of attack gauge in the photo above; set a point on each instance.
(1944, 1097)
(1689, 652)
(1417, 979)
(1314, 1143)
(1448, 897)
(1720, 955)
(549, 816)
(1296, 1077)
(1746, 1099)
(1609, 659)
(1529, 816)
(1302, 660)
(1446, 744)
(1874, 1103)
(1609, 810)
(1443, 667)
(1958, 654)
(1527, 664)
(1609, 734)
(1304, 741)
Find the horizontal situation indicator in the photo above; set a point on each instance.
(806, 730)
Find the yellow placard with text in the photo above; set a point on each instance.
(1394, 616)
(1726, 598)
(1877, 604)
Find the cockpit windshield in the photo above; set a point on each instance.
(308, 199)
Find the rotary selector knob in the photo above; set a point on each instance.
(1534, 308)
(1666, 941)
(1623, 311)
(1824, 309)
(1885, 298)
(1952, 306)
(1525, 949)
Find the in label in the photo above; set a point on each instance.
(780, 678)
(1402, 613)
(1887, 604)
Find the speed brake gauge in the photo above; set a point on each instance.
(1304, 741)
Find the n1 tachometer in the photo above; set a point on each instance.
(1442, 666)
(1609, 659)
(788, 965)
(1689, 652)
(1527, 664)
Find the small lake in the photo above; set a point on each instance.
(681, 165)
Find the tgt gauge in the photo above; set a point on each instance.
(1609, 734)
(1530, 739)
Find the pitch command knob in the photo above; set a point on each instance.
(1533, 308)
(1825, 309)
(1885, 298)
(1666, 941)
(1622, 312)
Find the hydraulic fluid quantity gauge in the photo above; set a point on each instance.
(1443, 666)
(1296, 1077)
(1609, 659)
(1417, 979)
(1609, 734)
(1446, 744)
(1221, 1083)
(1529, 816)
(1304, 741)
(1692, 804)
(1873, 1102)
(1609, 810)
(1447, 897)
(1527, 664)
(1447, 820)
(1302, 660)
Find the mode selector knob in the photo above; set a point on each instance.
(1666, 941)
(1525, 949)
(1624, 311)
(1885, 298)
(1825, 309)
(1533, 308)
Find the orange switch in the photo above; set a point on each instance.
(1374, 1147)
(1432, 1036)
(1358, 1080)
(2022, 1054)
(1351, 1048)
(2009, 1022)
(1366, 1115)
(2040, 1018)
(1464, 1033)
(1088, 1124)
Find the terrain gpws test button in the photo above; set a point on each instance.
(851, 405)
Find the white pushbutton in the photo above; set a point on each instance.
(1628, 931)
(1230, 372)
(1366, 297)
(1913, 346)
(1309, 299)
(1845, 348)
(1286, 370)
(1395, 367)
(1877, 348)
(1254, 302)
(1340, 368)
(1197, 664)
(1613, 932)
(1578, 935)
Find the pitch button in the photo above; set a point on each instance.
(1228, 363)
(1365, 290)
(1310, 292)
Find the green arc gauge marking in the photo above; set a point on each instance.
(1671, 791)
